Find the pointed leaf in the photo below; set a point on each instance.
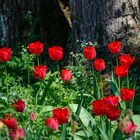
(103, 134)
(136, 120)
(117, 135)
(84, 116)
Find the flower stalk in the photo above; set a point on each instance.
(41, 83)
(6, 75)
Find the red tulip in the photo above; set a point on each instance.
(114, 47)
(56, 53)
(99, 64)
(121, 71)
(126, 60)
(107, 106)
(52, 123)
(5, 54)
(129, 128)
(35, 48)
(40, 72)
(127, 94)
(17, 134)
(112, 112)
(61, 115)
(19, 105)
(11, 123)
(66, 75)
(32, 116)
(98, 107)
(89, 53)
(111, 100)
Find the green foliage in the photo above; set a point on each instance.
(42, 96)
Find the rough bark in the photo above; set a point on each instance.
(103, 20)
(12, 13)
(20, 20)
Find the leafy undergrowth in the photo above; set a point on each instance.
(69, 104)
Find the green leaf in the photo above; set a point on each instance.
(75, 137)
(84, 116)
(48, 108)
(80, 105)
(136, 120)
(103, 134)
(4, 101)
(81, 133)
(113, 86)
(117, 135)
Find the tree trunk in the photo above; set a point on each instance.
(12, 13)
(28, 20)
(103, 20)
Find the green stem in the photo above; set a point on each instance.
(102, 127)
(132, 102)
(95, 85)
(58, 70)
(64, 131)
(122, 84)
(87, 74)
(28, 73)
(80, 105)
(116, 60)
(38, 60)
(119, 83)
(93, 74)
(110, 129)
(101, 121)
(28, 76)
(102, 93)
(127, 81)
(6, 75)
(38, 93)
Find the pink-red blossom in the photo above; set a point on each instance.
(66, 75)
(55, 53)
(52, 123)
(35, 47)
(61, 114)
(99, 64)
(19, 105)
(89, 52)
(40, 72)
(5, 54)
(114, 47)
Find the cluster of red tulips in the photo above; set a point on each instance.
(107, 106)
(55, 53)
(36, 48)
(60, 116)
(10, 121)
